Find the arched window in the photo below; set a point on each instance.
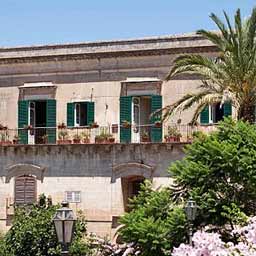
(25, 190)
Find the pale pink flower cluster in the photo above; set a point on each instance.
(210, 244)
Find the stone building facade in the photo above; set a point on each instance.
(54, 93)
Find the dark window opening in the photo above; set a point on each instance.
(130, 188)
(81, 114)
(217, 113)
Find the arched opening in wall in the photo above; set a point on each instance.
(25, 190)
(130, 188)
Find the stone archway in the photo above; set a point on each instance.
(132, 169)
(24, 169)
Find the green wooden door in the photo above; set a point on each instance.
(156, 132)
(23, 106)
(125, 115)
(51, 120)
(204, 116)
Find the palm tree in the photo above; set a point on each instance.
(229, 77)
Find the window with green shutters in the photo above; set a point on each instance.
(23, 121)
(204, 116)
(125, 115)
(156, 132)
(215, 113)
(80, 113)
(90, 113)
(70, 114)
(51, 120)
(227, 109)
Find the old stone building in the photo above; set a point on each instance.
(75, 122)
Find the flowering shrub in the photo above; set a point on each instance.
(210, 244)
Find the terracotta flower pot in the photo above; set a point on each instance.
(62, 126)
(94, 125)
(177, 139)
(145, 139)
(86, 141)
(6, 143)
(77, 141)
(99, 140)
(15, 142)
(158, 125)
(61, 142)
(111, 140)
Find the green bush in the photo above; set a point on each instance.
(33, 233)
(219, 172)
(154, 224)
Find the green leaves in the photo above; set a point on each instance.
(154, 224)
(230, 76)
(33, 234)
(219, 171)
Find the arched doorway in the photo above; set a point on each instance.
(130, 187)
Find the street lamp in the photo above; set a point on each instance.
(190, 210)
(64, 220)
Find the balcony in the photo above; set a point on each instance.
(94, 134)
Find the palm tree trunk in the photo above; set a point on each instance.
(247, 113)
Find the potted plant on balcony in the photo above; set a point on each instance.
(111, 138)
(63, 137)
(77, 139)
(15, 140)
(126, 124)
(99, 139)
(44, 139)
(94, 125)
(173, 135)
(62, 126)
(145, 137)
(3, 128)
(4, 139)
(158, 124)
(85, 137)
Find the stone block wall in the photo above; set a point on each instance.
(94, 170)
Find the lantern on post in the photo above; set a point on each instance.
(191, 210)
(64, 220)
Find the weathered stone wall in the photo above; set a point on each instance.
(95, 170)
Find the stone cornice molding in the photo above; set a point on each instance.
(24, 169)
(132, 169)
(97, 55)
(134, 47)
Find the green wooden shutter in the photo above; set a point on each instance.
(23, 120)
(227, 109)
(125, 115)
(156, 132)
(70, 114)
(90, 113)
(51, 120)
(204, 116)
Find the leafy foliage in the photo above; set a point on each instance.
(33, 233)
(219, 172)
(231, 76)
(154, 224)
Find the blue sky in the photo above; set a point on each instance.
(32, 22)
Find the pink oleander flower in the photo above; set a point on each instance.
(210, 244)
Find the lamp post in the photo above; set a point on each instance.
(64, 220)
(190, 210)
